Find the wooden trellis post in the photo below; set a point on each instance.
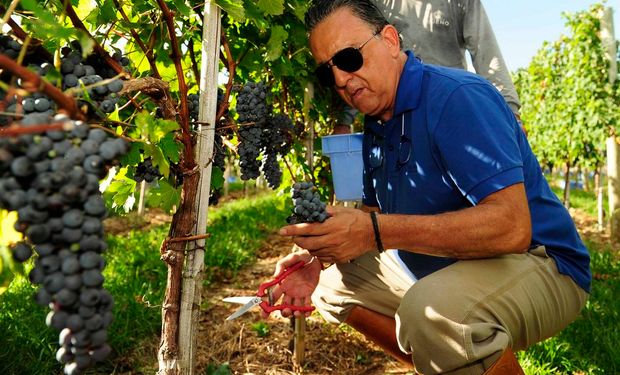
(192, 275)
(613, 155)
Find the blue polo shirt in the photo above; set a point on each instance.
(451, 142)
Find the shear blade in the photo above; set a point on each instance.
(239, 300)
(253, 302)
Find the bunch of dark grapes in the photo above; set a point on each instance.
(9, 47)
(214, 197)
(219, 152)
(146, 171)
(193, 105)
(308, 207)
(101, 65)
(278, 134)
(276, 139)
(13, 47)
(271, 170)
(77, 73)
(52, 181)
(252, 111)
(35, 103)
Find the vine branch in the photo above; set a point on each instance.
(188, 151)
(232, 68)
(16, 130)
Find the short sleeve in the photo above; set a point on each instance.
(476, 136)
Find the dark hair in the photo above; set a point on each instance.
(366, 10)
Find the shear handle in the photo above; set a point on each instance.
(266, 285)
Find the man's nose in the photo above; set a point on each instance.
(341, 77)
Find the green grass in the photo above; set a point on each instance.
(136, 277)
(239, 228)
(583, 200)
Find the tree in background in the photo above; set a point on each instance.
(569, 106)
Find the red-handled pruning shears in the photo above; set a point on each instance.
(263, 297)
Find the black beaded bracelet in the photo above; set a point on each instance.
(375, 226)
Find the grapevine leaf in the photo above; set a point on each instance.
(133, 156)
(299, 9)
(170, 148)
(274, 46)
(8, 234)
(121, 190)
(153, 129)
(272, 7)
(217, 178)
(234, 8)
(182, 7)
(164, 196)
(6, 276)
(45, 24)
(107, 12)
(158, 159)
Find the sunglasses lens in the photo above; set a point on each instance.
(325, 75)
(349, 60)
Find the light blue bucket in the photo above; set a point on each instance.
(345, 155)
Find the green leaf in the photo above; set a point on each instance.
(158, 159)
(107, 12)
(45, 25)
(234, 8)
(272, 7)
(6, 275)
(217, 178)
(154, 129)
(121, 190)
(274, 46)
(299, 9)
(171, 148)
(182, 7)
(40, 13)
(164, 196)
(133, 157)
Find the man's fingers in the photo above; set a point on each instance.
(304, 229)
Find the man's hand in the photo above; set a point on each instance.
(297, 288)
(346, 235)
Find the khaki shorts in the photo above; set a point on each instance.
(460, 318)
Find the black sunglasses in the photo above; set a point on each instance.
(348, 60)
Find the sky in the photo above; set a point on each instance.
(522, 26)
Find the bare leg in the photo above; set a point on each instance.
(380, 329)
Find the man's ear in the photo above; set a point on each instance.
(390, 35)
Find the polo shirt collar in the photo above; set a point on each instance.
(410, 86)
